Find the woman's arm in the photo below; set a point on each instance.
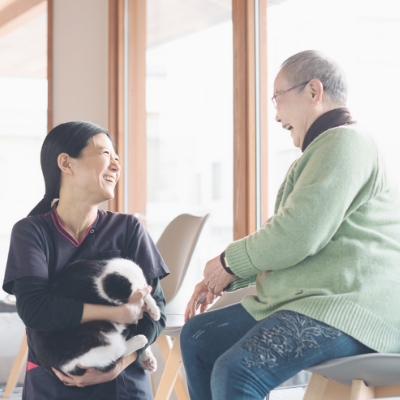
(93, 376)
(129, 313)
(41, 310)
(147, 326)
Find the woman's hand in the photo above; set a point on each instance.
(215, 276)
(132, 311)
(202, 298)
(129, 313)
(92, 376)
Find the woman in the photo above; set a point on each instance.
(80, 169)
(325, 265)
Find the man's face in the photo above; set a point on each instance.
(292, 108)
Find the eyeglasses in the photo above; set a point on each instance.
(273, 99)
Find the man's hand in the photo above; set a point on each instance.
(201, 298)
(215, 276)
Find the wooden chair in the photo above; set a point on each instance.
(363, 377)
(19, 362)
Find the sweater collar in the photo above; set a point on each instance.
(329, 120)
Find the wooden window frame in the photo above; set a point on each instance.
(127, 102)
(245, 191)
(116, 92)
(49, 65)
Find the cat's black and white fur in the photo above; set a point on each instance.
(97, 344)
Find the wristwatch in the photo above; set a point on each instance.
(224, 263)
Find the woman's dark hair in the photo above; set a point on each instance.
(71, 138)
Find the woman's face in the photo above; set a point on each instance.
(96, 171)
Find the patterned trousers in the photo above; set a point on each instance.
(227, 354)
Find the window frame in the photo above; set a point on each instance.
(127, 22)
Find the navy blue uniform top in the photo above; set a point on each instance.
(40, 247)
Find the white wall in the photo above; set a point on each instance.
(80, 61)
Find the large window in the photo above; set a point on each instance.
(189, 64)
(362, 37)
(23, 112)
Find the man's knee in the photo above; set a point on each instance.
(225, 374)
(231, 376)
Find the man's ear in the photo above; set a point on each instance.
(63, 161)
(316, 89)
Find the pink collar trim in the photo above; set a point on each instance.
(64, 232)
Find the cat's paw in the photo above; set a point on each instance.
(148, 360)
(152, 308)
(135, 343)
(154, 313)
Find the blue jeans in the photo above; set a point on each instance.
(227, 354)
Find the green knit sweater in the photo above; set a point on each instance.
(332, 249)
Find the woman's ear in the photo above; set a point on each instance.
(63, 161)
(316, 89)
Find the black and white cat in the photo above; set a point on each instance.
(97, 344)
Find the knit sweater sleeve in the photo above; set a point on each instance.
(335, 175)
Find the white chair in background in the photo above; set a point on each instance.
(176, 245)
(12, 332)
(16, 369)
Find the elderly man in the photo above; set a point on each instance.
(325, 264)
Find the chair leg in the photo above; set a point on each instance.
(16, 369)
(180, 387)
(170, 374)
(164, 344)
(387, 391)
(315, 388)
(320, 388)
(359, 391)
(165, 349)
(153, 386)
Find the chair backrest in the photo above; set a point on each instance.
(176, 246)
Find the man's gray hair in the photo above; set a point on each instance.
(310, 64)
